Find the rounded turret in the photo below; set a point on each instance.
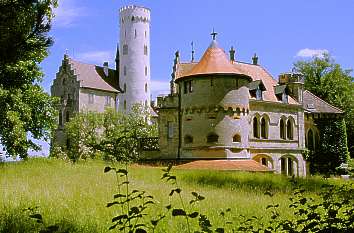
(134, 56)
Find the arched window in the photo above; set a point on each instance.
(289, 130)
(282, 129)
(255, 128)
(264, 161)
(67, 116)
(125, 49)
(310, 141)
(236, 138)
(264, 128)
(188, 139)
(212, 137)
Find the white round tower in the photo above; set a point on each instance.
(134, 57)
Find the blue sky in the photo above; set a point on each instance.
(280, 32)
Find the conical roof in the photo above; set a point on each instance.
(214, 61)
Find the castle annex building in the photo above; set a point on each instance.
(220, 108)
(88, 87)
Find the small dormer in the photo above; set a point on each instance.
(256, 89)
(282, 93)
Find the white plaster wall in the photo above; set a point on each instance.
(135, 61)
(99, 103)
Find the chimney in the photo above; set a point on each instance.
(255, 59)
(105, 68)
(232, 54)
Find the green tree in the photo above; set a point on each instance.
(25, 109)
(329, 81)
(114, 134)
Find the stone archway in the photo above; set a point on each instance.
(288, 165)
(264, 159)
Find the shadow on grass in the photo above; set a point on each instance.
(17, 220)
(251, 181)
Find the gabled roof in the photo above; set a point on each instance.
(315, 104)
(214, 61)
(92, 76)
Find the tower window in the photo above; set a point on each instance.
(132, 18)
(236, 138)
(145, 34)
(212, 137)
(125, 88)
(125, 105)
(135, 34)
(146, 87)
(91, 98)
(188, 139)
(145, 50)
(146, 71)
(125, 71)
(125, 49)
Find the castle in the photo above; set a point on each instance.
(217, 108)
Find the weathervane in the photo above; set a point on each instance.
(213, 34)
(192, 44)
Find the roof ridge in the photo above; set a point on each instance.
(324, 101)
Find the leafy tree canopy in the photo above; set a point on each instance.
(113, 134)
(329, 81)
(24, 107)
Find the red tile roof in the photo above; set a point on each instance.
(214, 61)
(228, 165)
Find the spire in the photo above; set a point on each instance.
(117, 57)
(255, 59)
(192, 44)
(213, 34)
(232, 54)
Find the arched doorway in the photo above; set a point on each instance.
(288, 165)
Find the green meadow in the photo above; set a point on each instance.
(74, 196)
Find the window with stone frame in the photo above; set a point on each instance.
(169, 129)
(289, 130)
(264, 128)
(255, 128)
(282, 129)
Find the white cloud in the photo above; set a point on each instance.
(97, 57)
(68, 13)
(311, 52)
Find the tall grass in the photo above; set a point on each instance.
(77, 194)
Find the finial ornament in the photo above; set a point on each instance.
(213, 34)
(192, 44)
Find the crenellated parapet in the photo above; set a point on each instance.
(134, 14)
(169, 101)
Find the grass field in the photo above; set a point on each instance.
(75, 196)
